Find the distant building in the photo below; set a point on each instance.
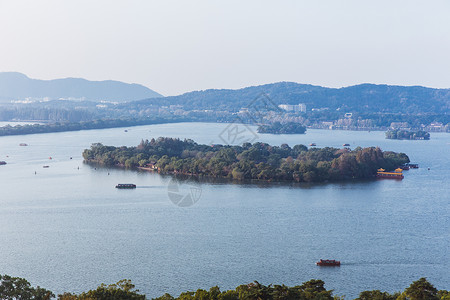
(437, 127)
(243, 110)
(293, 108)
(399, 125)
(328, 125)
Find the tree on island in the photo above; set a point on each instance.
(377, 295)
(285, 128)
(123, 290)
(420, 290)
(18, 288)
(14, 288)
(258, 161)
(407, 135)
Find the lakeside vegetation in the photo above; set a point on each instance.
(285, 128)
(86, 125)
(372, 107)
(258, 161)
(19, 288)
(407, 135)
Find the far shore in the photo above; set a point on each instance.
(7, 127)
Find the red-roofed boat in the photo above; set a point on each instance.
(328, 263)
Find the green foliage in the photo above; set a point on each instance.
(123, 290)
(286, 128)
(258, 161)
(12, 288)
(421, 290)
(443, 295)
(368, 98)
(165, 297)
(377, 295)
(371, 105)
(407, 135)
(84, 125)
(311, 290)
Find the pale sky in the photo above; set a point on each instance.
(174, 47)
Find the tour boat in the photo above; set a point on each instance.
(397, 174)
(328, 263)
(413, 166)
(45, 167)
(23, 144)
(312, 144)
(2, 163)
(125, 186)
(346, 145)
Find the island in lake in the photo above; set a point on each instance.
(407, 135)
(258, 161)
(285, 128)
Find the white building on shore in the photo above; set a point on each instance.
(293, 108)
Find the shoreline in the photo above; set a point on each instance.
(227, 180)
(43, 124)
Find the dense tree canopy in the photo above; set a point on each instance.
(407, 135)
(377, 295)
(421, 290)
(14, 288)
(250, 161)
(123, 290)
(285, 128)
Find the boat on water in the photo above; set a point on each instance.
(396, 174)
(413, 166)
(2, 163)
(328, 263)
(313, 144)
(125, 186)
(346, 145)
(23, 144)
(45, 167)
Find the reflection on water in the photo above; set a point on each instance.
(67, 228)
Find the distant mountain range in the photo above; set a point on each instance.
(363, 98)
(17, 86)
(368, 98)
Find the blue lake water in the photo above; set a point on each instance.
(66, 228)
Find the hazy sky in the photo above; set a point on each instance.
(179, 46)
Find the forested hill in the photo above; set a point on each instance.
(17, 86)
(360, 98)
